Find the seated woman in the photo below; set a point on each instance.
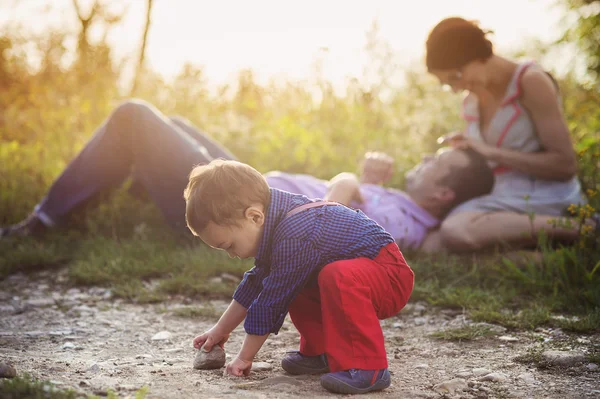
(514, 119)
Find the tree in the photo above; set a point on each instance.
(585, 32)
(140, 65)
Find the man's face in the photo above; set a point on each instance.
(423, 181)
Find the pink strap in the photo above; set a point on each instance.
(310, 205)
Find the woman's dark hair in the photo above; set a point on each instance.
(454, 42)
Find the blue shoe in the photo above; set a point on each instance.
(356, 381)
(296, 363)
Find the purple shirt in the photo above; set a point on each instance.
(392, 209)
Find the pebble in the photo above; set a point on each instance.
(162, 336)
(7, 371)
(261, 366)
(508, 338)
(450, 386)
(280, 379)
(494, 377)
(478, 372)
(215, 359)
(563, 358)
(94, 368)
(464, 374)
(527, 378)
(421, 366)
(419, 321)
(592, 366)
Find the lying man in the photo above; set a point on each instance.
(159, 153)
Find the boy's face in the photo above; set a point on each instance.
(241, 240)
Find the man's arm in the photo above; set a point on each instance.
(344, 188)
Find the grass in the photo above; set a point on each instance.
(465, 333)
(191, 312)
(25, 387)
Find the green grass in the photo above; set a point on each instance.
(466, 333)
(192, 312)
(25, 387)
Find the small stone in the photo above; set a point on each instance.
(144, 356)
(40, 302)
(494, 377)
(464, 374)
(421, 366)
(68, 345)
(94, 368)
(450, 386)
(261, 366)
(174, 350)
(592, 366)
(280, 379)
(84, 383)
(215, 280)
(230, 277)
(419, 321)
(397, 325)
(478, 372)
(527, 378)
(508, 338)
(563, 358)
(162, 336)
(7, 371)
(215, 359)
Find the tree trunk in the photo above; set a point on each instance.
(140, 65)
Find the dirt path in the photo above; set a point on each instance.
(84, 339)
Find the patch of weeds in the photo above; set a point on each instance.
(26, 387)
(193, 312)
(532, 357)
(587, 324)
(135, 291)
(527, 319)
(27, 254)
(465, 333)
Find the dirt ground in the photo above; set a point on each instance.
(86, 340)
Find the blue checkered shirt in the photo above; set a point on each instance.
(293, 250)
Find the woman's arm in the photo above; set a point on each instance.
(557, 160)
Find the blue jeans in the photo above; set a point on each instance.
(138, 141)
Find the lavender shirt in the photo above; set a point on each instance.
(392, 209)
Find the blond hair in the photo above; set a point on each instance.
(221, 191)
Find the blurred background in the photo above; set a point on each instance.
(302, 87)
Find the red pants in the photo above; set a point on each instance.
(341, 316)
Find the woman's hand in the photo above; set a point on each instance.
(460, 140)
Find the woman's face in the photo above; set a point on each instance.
(470, 77)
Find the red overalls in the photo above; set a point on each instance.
(341, 316)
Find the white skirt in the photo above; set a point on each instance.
(521, 193)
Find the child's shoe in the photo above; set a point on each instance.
(296, 363)
(356, 381)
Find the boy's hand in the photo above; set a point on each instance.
(211, 338)
(239, 367)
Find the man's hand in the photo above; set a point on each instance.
(239, 367)
(376, 168)
(212, 337)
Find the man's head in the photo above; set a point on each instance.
(225, 206)
(448, 178)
